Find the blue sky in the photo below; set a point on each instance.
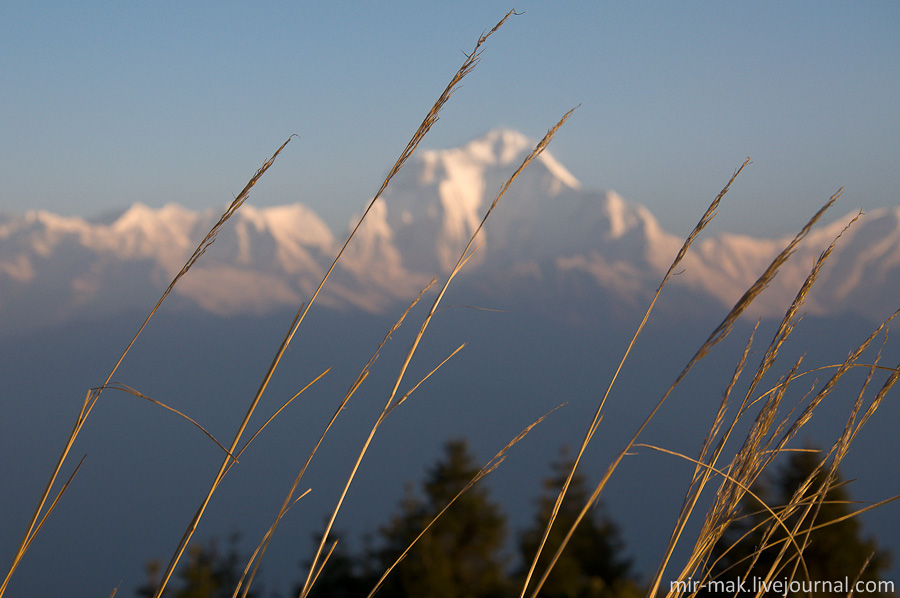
(105, 104)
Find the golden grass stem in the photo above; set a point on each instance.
(746, 463)
(278, 412)
(127, 389)
(704, 221)
(489, 467)
(289, 500)
(55, 501)
(94, 395)
(756, 455)
(259, 549)
(464, 256)
(430, 119)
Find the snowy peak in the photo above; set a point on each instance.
(164, 234)
(505, 147)
(437, 202)
(499, 146)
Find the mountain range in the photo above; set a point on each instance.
(549, 234)
(571, 268)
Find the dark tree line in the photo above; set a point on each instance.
(464, 553)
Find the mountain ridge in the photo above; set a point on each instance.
(547, 228)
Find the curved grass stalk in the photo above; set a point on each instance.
(278, 412)
(127, 389)
(725, 475)
(94, 395)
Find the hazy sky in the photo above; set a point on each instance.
(105, 104)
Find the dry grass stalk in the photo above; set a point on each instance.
(277, 413)
(392, 400)
(256, 556)
(127, 389)
(760, 448)
(717, 336)
(703, 222)
(59, 495)
(745, 464)
(491, 465)
(289, 499)
(94, 394)
(466, 253)
(430, 119)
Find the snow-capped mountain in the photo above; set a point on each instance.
(548, 236)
